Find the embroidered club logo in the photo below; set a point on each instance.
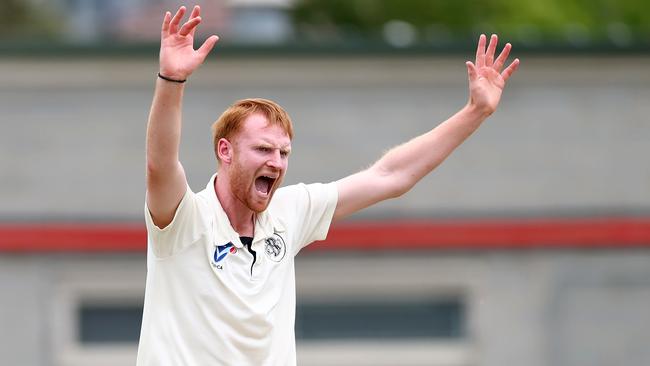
(221, 251)
(275, 248)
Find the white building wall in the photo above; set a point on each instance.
(569, 137)
(532, 307)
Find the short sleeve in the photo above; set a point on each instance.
(186, 227)
(312, 208)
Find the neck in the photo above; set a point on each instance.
(241, 217)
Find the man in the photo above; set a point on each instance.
(220, 284)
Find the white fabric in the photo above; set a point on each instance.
(203, 306)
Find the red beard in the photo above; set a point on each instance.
(242, 183)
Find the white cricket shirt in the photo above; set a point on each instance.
(206, 303)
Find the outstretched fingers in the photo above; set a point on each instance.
(480, 52)
(196, 12)
(171, 25)
(503, 56)
(507, 73)
(472, 73)
(206, 47)
(176, 20)
(489, 55)
(189, 26)
(166, 20)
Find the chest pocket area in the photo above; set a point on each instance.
(275, 248)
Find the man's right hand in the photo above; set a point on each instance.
(178, 59)
(166, 181)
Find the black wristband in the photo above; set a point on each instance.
(172, 80)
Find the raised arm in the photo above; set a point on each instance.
(166, 182)
(403, 166)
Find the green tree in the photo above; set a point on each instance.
(528, 20)
(20, 20)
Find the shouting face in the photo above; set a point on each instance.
(260, 155)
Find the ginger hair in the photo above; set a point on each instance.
(231, 120)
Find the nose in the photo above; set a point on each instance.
(275, 160)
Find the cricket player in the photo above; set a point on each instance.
(220, 286)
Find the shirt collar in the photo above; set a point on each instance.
(266, 225)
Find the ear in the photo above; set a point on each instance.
(224, 151)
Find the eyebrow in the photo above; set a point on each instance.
(286, 148)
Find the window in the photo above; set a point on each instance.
(383, 309)
(102, 323)
(440, 318)
(96, 310)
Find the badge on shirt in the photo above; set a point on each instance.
(221, 251)
(275, 248)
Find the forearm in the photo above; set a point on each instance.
(405, 165)
(408, 163)
(166, 181)
(164, 126)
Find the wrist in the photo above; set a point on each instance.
(476, 111)
(473, 115)
(172, 79)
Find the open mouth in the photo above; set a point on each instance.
(264, 183)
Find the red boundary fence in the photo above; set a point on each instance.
(360, 235)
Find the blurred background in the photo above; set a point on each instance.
(529, 246)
